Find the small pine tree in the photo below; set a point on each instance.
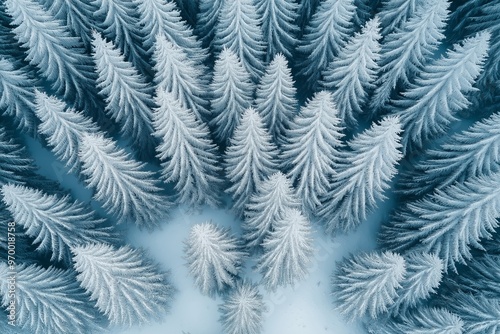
(449, 221)
(125, 285)
(63, 128)
(214, 257)
(361, 176)
(47, 301)
(239, 29)
(188, 155)
(56, 223)
(325, 35)
(288, 251)
(278, 26)
(423, 276)
(242, 310)
(311, 148)
(367, 283)
(406, 51)
(126, 93)
(351, 75)
(17, 95)
(122, 184)
(272, 198)
(479, 313)
(250, 158)
(232, 91)
(395, 12)
(276, 101)
(176, 73)
(60, 57)
(427, 107)
(14, 160)
(119, 22)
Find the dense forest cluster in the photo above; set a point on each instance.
(295, 114)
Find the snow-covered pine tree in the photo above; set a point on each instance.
(127, 95)
(395, 12)
(423, 275)
(17, 95)
(406, 50)
(59, 57)
(178, 74)
(239, 29)
(361, 176)
(14, 160)
(278, 26)
(55, 223)
(242, 310)
(449, 221)
(125, 285)
(122, 184)
(119, 22)
(288, 250)
(312, 148)
(48, 301)
(63, 128)
(163, 17)
(214, 257)
(367, 283)
(275, 100)
(250, 158)
(479, 313)
(76, 15)
(272, 198)
(428, 106)
(188, 155)
(206, 21)
(325, 35)
(472, 152)
(420, 320)
(232, 93)
(351, 75)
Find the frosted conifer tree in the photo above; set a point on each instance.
(176, 73)
(59, 57)
(119, 22)
(479, 313)
(14, 160)
(17, 95)
(239, 29)
(312, 148)
(55, 223)
(63, 127)
(122, 184)
(163, 17)
(126, 93)
(367, 284)
(423, 276)
(428, 106)
(278, 26)
(214, 257)
(325, 35)
(232, 92)
(272, 198)
(288, 250)
(420, 320)
(48, 301)
(472, 152)
(276, 101)
(188, 155)
(351, 75)
(206, 20)
(406, 51)
(395, 12)
(449, 221)
(361, 176)
(242, 310)
(124, 284)
(249, 159)
(76, 15)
